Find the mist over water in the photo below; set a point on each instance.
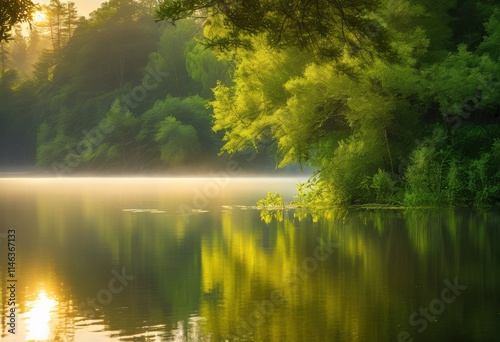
(245, 171)
(191, 259)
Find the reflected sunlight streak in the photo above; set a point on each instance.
(38, 317)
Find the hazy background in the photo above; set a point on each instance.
(84, 6)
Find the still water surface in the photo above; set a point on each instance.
(187, 260)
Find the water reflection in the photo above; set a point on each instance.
(40, 317)
(213, 277)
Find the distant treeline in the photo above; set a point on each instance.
(392, 101)
(117, 92)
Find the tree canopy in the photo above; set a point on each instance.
(13, 12)
(326, 27)
(115, 93)
(315, 77)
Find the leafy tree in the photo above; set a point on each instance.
(392, 101)
(175, 118)
(491, 43)
(71, 19)
(116, 150)
(116, 11)
(468, 18)
(178, 142)
(204, 67)
(462, 83)
(323, 26)
(60, 24)
(13, 12)
(56, 13)
(353, 119)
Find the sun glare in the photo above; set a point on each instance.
(39, 16)
(38, 326)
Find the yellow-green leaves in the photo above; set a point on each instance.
(177, 141)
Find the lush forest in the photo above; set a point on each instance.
(391, 101)
(113, 92)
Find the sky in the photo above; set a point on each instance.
(84, 6)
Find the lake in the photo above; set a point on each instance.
(191, 259)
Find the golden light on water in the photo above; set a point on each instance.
(38, 317)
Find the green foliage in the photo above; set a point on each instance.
(441, 174)
(272, 200)
(462, 84)
(271, 207)
(308, 193)
(478, 179)
(178, 142)
(392, 101)
(116, 148)
(491, 43)
(119, 68)
(454, 184)
(321, 26)
(353, 117)
(204, 67)
(188, 120)
(13, 12)
(468, 18)
(384, 187)
(426, 173)
(352, 160)
(55, 150)
(483, 177)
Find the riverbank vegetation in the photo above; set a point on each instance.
(390, 101)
